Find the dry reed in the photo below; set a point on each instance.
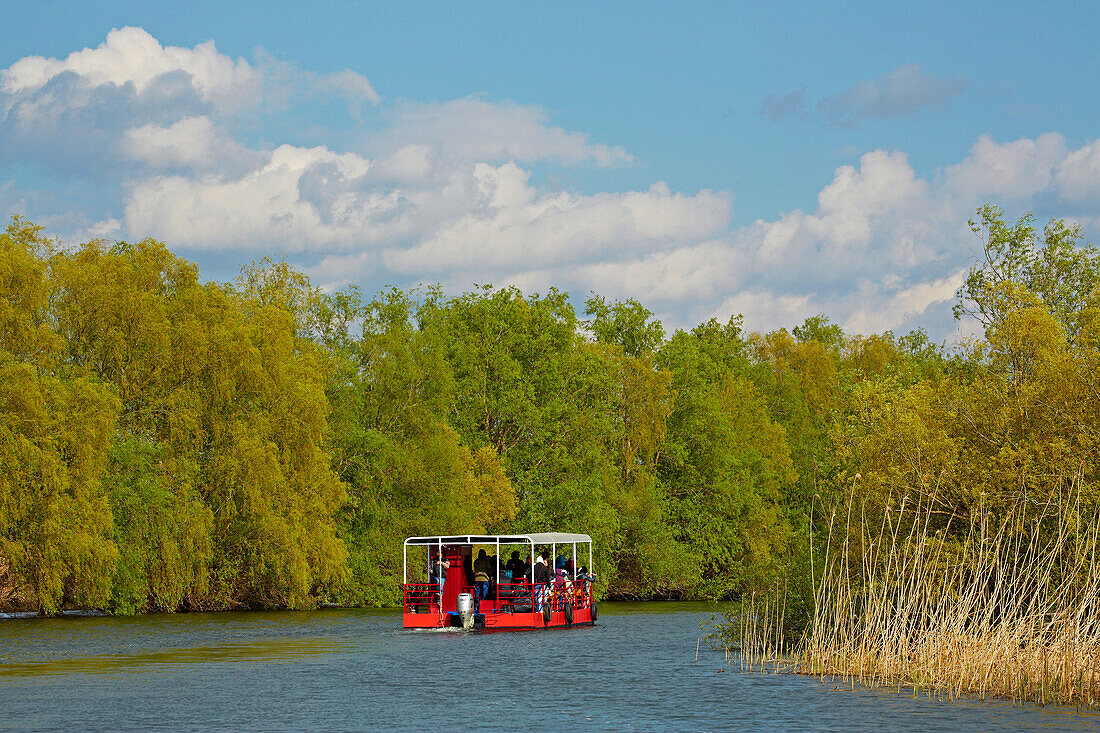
(1011, 612)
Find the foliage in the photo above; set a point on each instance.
(168, 443)
(55, 428)
(1057, 271)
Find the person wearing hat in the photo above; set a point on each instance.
(559, 573)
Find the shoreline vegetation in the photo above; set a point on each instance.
(960, 558)
(174, 444)
(1010, 613)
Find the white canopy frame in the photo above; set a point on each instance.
(535, 538)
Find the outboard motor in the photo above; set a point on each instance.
(466, 609)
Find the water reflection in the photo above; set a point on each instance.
(273, 650)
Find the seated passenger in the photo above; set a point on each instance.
(559, 574)
(515, 567)
(585, 580)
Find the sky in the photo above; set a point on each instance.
(777, 160)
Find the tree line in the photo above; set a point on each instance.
(168, 443)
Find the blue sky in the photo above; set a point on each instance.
(776, 160)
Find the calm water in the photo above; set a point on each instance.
(358, 670)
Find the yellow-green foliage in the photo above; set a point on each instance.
(55, 430)
(992, 613)
(170, 443)
(956, 552)
(167, 437)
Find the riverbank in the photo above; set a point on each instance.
(28, 610)
(1012, 614)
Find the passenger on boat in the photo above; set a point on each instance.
(521, 574)
(584, 580)
(560, 578)
(542, 582)
(515, 567)
(439, 573)
(483, 568)
(467, 562)
(582, 587)
(506, 591)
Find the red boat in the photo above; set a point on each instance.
(508, 602)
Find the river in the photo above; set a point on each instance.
(358, 670)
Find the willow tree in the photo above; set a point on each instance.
(219, 459)
(55, 429)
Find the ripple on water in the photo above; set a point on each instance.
(359, 670)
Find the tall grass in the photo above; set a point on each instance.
(1009, 611)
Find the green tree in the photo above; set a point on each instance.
(408, 471)
(726, 464)
(231, 398)
(55, 428)
(1060, 271)
(626, 323)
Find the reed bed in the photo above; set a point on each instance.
(1011, 612)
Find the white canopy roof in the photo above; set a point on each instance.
(538, 538)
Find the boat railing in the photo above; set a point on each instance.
(507, 597)
(421, 597)
(577, 592)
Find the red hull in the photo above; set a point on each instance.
(501, 621)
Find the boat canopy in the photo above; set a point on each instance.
(533, 538)
(537, 538)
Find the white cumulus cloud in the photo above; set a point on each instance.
(1077, 175)
(193, 143)
(262, 208)
(883, 249)
(473, 129)
(132, 56)
(131, 101)
(512, 225)
(1014, 170)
